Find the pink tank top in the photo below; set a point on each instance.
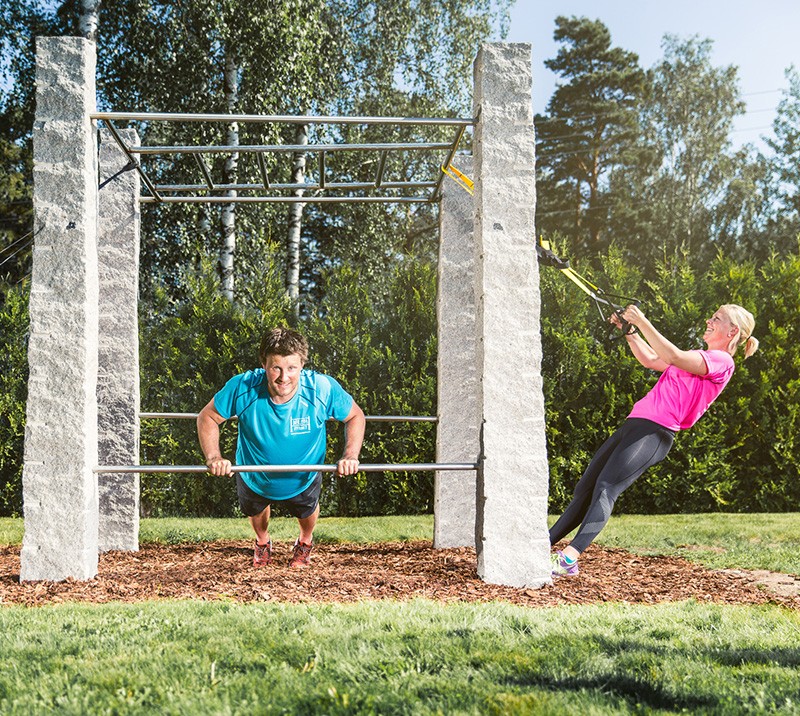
(679, 398)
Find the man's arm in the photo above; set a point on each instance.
(208, 422)
(354, 425)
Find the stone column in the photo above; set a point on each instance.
(513, 544)
(118, 369)
(458, 430)
(59, 486)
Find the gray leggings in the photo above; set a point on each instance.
(636, 445)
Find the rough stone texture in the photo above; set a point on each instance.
(458, 430)
(513, 544)
(59, 485)
(118, 369)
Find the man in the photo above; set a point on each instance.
(282, 410)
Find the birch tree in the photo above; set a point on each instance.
(229, 176)
(295, 224)
(89, 19)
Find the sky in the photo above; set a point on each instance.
(762, 38)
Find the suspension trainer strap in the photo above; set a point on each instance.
(600, 298)
(461, 179)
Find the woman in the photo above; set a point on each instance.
(690, 381)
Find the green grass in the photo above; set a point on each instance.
(755, 541)
(417, 657)
(329, 529)
(398, 658)
(719, 541)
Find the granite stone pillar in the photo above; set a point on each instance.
(512, 544)
(59, 485)
(458, 429)
(118, 369)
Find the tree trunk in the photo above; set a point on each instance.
(593, 213)
(88, 19)
(295, 223)
(229, 173)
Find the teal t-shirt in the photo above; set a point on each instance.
(292, 433)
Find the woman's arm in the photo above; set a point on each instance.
(665, 351)
(640, 348)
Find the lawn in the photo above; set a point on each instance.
(418, 657)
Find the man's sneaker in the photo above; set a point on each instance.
(262, 554)
(559, 566)
(301, 555)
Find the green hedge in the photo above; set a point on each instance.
(378, 338)
(743, 454)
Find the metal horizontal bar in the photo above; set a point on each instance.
(389, 467)
(290, 119)
(375, 418)
(403, 418)
(169, 415)
(286, 148)
(284, 199)
(293, 187)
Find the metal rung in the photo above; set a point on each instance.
(396, 467)
(375, 418)
(288, 119)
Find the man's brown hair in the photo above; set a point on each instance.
(283, 342)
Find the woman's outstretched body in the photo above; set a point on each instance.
(690, 381)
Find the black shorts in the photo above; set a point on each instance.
(300, 506)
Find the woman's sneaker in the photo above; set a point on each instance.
(559, 566)
(262, 555)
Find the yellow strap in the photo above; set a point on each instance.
(578, 281)
(582, 283)
(459, 178)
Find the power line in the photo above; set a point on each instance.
(556, 154)
(600, 115)
(18, 251)
(11, 245)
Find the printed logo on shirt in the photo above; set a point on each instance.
(301, 425)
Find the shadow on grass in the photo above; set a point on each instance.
(643, 676)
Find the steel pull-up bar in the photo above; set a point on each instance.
(279, 118)
(369, 418)
(396, 467)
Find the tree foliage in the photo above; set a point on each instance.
(591, 127)
(638, 184)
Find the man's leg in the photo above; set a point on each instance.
(257, 509)
(305, 508)
(260, 525)
(307, 525)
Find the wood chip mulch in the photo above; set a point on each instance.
(354, 572)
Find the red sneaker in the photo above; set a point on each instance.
(301, 555)
(262, 555)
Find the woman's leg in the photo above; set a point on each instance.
(641, 445)
(576, 510)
